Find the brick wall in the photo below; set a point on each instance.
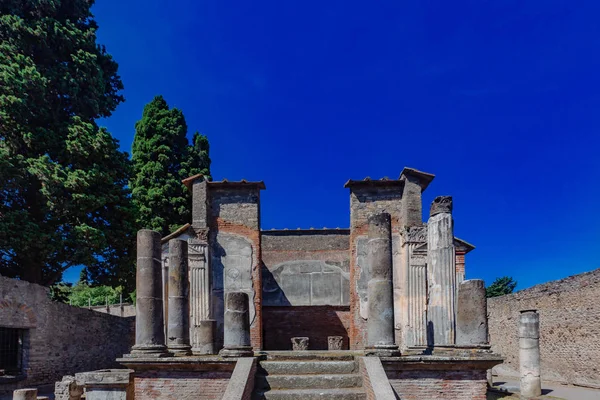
(60, 339)
(181, 385)
(314, 322)
(442, 385)
(569, 328)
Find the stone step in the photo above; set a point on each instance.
(313, 394)
(311, 355)
(308, 367)
(332, 381)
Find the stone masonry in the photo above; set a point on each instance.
(569, 328)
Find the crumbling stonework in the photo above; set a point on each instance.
(569, 328)
(59, 339)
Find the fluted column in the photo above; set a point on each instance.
(529, 354)
(380, 325)
(203, 327)
(441, 274)
(178, 337)
(471, 314)
(417, 303)
(149, 323)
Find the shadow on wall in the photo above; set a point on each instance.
(280, 324)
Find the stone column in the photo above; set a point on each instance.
(25, 394)
(529, 353)
(441, 274)
(165, 287)
(236, 339)
(149, 323)
(380, 325)
(178, 338)
(202, 329)
(471, 314)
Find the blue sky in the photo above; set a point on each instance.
(498, 99)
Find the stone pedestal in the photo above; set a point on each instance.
(68, 389)
(300, 343)
(335, 342)
(107, 384)
(204, 337)
(380, 324)
(529, 354)
(471, 314)
(25, 394)
(149, 323)
(236, 339)
(178, 339)
(441, 274)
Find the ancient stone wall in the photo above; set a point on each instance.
(59, 339)
(314, 322)
(569, 328)
(305, 267)
(120, 310)
(181, 385)
(234, 221)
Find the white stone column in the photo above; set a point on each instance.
(529, 354)
(441, 274)
(202, 326)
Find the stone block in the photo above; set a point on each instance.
(107, 384)
(335, 342)
(25, 394)
(300, 343)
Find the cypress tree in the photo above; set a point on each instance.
(63, 194)
(162, 157)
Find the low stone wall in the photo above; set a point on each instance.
(569, 328)
(454, 385)
(120, 310)
(58, 339)
(314, 322)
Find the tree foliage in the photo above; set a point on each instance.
(162, 157)
(63, 180)
(82, 295)
(501, 286)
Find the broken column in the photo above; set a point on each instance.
(236, 340)
(441, 273)
(471, 314)
(380, 324)
(178, 338)
(529, 354)
(149, 323)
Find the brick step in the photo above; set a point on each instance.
(308, 367)
(313, 394)
(331, 381)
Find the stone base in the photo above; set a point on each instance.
(242, 351)
(155, 350)
(179, 350)
(383, 351)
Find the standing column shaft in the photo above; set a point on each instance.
(179, 311)
(149, 323)
(529, 353)
(441, 273)
(471, 314)
(236, 338)
(165, 287)
(380, 325)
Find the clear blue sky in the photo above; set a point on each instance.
(499, 99)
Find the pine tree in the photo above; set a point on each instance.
(501, 286)
(63, 188)
(162, 158)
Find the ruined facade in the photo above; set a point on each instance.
(225, 308)
(321, 273)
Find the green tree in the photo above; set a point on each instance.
(500, 287)
(162, 157)
(63, 181)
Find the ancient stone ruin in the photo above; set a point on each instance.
(374, 311)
